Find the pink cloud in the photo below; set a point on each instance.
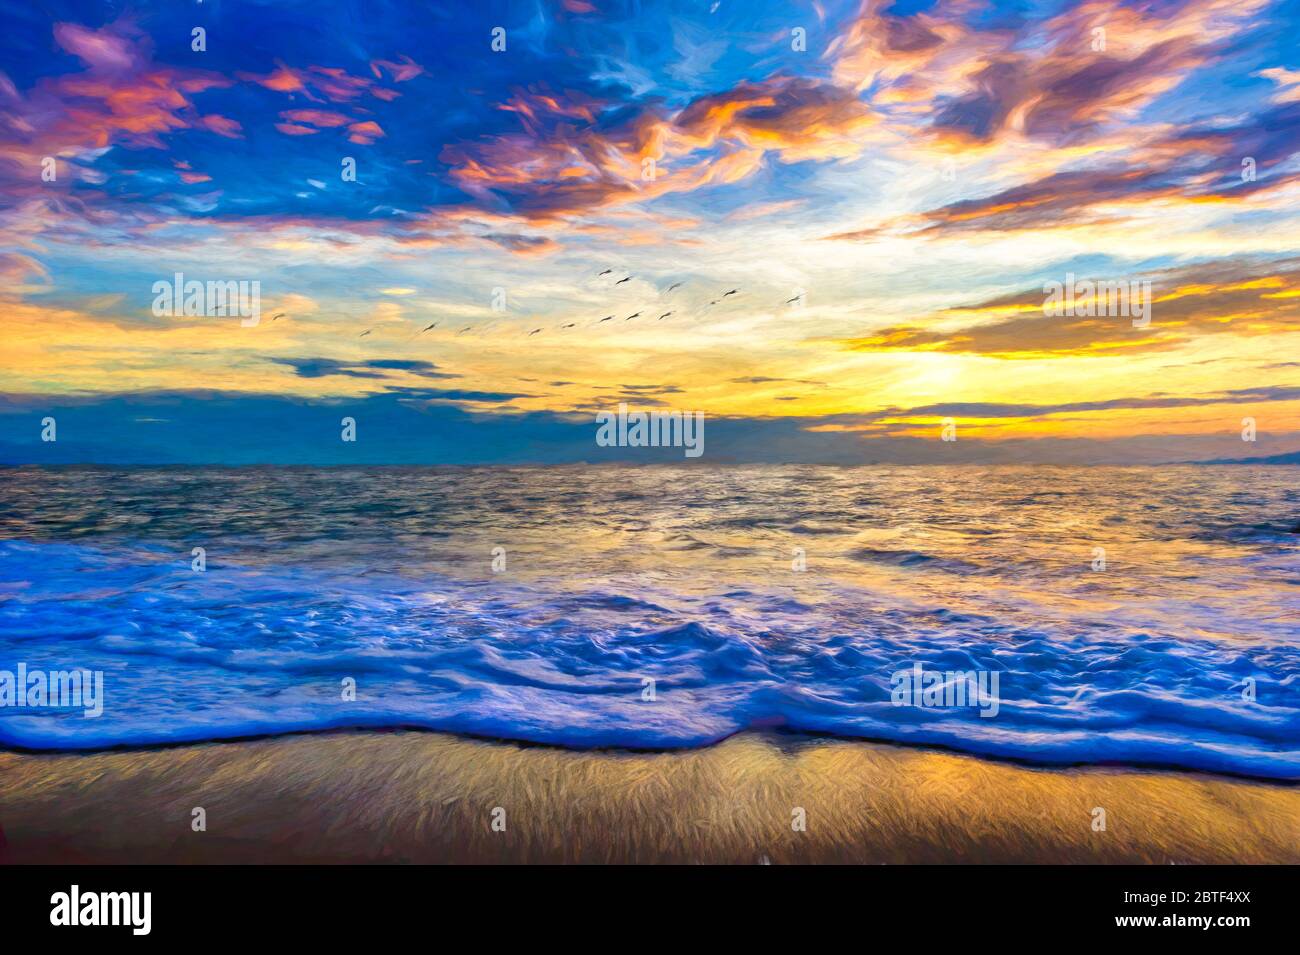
(106, 50)
(557, 169)
(1042, 81)
(221, 125)
(339, 85)
(121, 98)
(407, 69)
(315, 117)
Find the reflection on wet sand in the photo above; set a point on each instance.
(429, 797)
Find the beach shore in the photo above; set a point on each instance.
(431, 797)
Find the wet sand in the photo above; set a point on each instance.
(430, 797)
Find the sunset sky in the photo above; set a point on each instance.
(888, 198)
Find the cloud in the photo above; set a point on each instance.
(21, 273)
(316, 117)
(120, 97)
(323, 367)
(1288, 83)
(1057, 80)
(375, 368)
(763, 380)
(319, 83)
(1194, 165)
(994, 409)
(1237, 298)
(459, 395)
(401, 71)
(365, 133)
(523, 244)
(555, 169)
(111, 50)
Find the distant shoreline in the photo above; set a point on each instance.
(431, 797)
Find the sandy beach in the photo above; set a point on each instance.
(430, 797)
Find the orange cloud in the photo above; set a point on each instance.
(321, 83)
(364, 133)
(1226, 298)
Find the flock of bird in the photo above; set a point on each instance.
(634, 315)
(608, 318)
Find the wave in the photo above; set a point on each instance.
(912, 558)
(644, 663)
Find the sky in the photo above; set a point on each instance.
(827, 226)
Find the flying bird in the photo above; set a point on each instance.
(428, 327)
(732, 292)
(663, 316)
(632, 316)
(464, 330)
(570, 325)
(605, 319)
(606, 272)
(791, 301)
(365, 333)
(621, 281)
(673, 286)
(533, 332)
(277, 315)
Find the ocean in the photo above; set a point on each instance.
(1142, 616)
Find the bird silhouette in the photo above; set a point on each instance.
(791, 301)
(277, 315)
(464, 330)
(632, 316)
(673, 286)
(428, 327)
(663, 316)
(606, 272)
(605, 319)
(621, 281)
(732, 292)
(365, 333)
(533, 332)
(570, 325)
